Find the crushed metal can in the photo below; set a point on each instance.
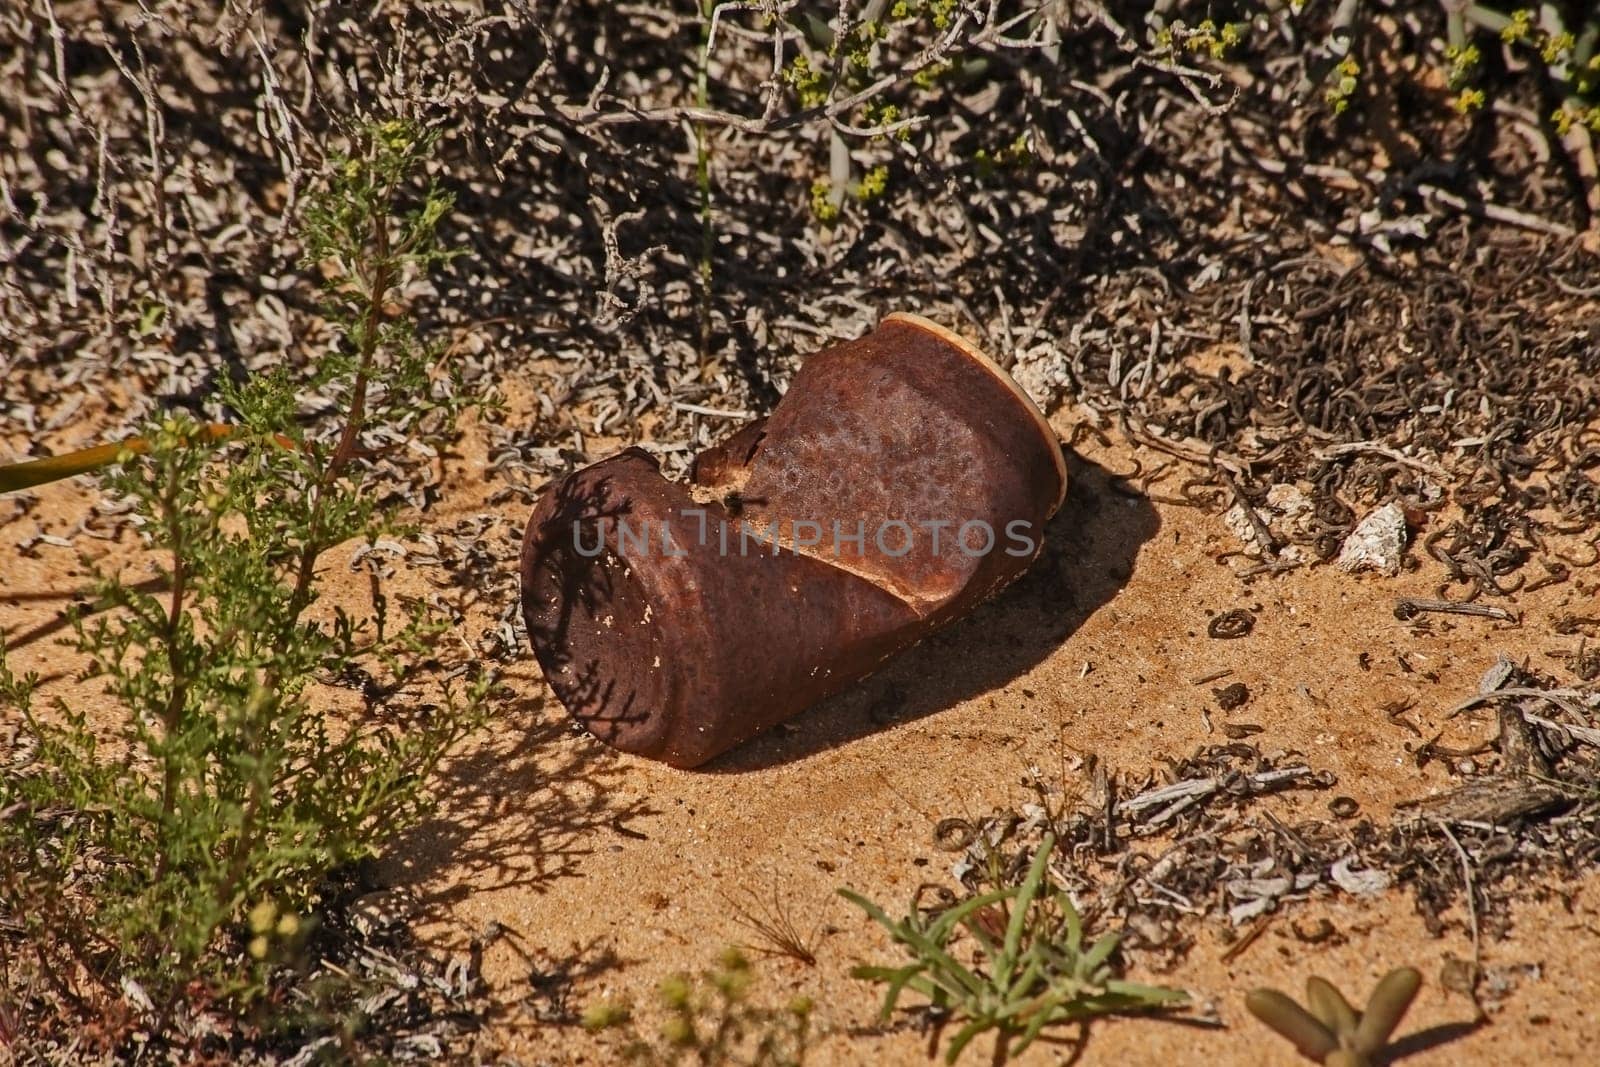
(903, 479)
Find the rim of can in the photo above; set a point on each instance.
(984, 360)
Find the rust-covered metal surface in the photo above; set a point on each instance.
(902, 479)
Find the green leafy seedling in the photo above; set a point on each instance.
(1333, 1033)
(1035, 970)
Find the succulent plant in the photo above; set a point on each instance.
(1333, 1033)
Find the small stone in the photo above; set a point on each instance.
(1286, 514)
(1233, 696)
(1377, 542)
(1358, 883)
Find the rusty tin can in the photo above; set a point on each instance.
(902, 479)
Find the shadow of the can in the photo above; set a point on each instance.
(1090, 548)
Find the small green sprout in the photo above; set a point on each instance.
(1333, 1033)
(710, 1018)
(1035, 971)
(1463, 61)
(1015, 155)
(605, 1014)
(822, 205)
(1557, 48)
(1563, 118)
(152, 313)
(1338, 95)
(679, 1031)
(809, 83)
(879, 113)
(1519, 28)
(928, 77)
(872, 184)
(675, 992)
(151, 867)
(1215, 41)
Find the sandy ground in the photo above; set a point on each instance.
(581, 854)
(1144, 235)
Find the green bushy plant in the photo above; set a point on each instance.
(188, 843)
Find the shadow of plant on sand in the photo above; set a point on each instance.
(521, 806)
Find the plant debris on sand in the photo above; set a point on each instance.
(1154, 853)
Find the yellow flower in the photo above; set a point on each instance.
(262, 916)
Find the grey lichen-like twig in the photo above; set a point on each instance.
(1181, 795)
(1408, 608)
